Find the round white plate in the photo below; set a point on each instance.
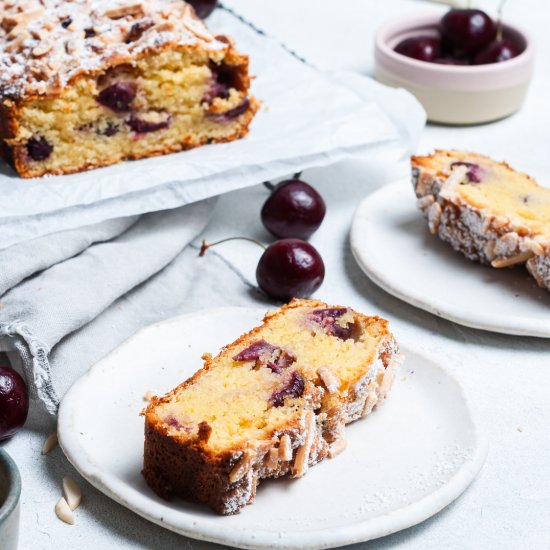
(393, 246)
(413, 456)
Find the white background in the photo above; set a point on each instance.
(507, 378)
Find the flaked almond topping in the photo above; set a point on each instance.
(197, 29)
(512, 260)
(301, 464)
(330, 380)
(42, 49)
(64, 512)
(15, 45)
(72, 492)
(285, 448)
(50, 443)
(238, 472)
(272, 458)
(122, 11)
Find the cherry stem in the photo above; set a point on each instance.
(500, 27)
(269, 185)
(297, 175)
(205, 246)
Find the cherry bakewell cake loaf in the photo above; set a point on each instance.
(272, 403)
(88, 83)
(486, 210)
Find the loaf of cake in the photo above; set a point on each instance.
(272, 403)
(88, 83)
(486, 210)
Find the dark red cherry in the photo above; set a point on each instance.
(14, 402)
(141, 126)
(39, 148)
(294, 209)
(203, 7)
(496, 52)
(467, 31)
(118, 96)
(423, 48)
(290, 268)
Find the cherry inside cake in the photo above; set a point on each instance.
(86, 84)
(271, 404)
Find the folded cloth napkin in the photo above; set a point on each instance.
(74, 296)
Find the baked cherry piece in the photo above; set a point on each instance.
(290, 268)
(467, 31)
(118, 96)
(496, 52)
(294, 209)
(14, 402)
(203, 7)
(39, 149)
(423, 48)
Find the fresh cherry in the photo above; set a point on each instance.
(497, 51)
(423, 48)
(14, 402)
(294, 209)
(203, 8)
(290, 268)
(467, 31)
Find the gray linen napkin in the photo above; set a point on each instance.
(76, 295)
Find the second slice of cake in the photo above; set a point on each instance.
(272, 403)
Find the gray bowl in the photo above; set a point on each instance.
(10, 493)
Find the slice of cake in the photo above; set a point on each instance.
(486, 210)
(270, 404)
(86, 83)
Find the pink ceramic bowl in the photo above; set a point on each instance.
(453, 94)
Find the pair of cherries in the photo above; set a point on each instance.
(467, 37)
(290, 267)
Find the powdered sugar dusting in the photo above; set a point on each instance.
(45, 43)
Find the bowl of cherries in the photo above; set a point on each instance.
(464, 67)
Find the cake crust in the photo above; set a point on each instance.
(482, 236)
(226, 481)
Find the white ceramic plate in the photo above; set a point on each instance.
(393, 246)
(412, 457)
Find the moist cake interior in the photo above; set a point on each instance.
(247, 400)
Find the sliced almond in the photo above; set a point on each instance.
(330, 380)
(123, 11)
(50, 443)
(238, 472)
(512, 260)
(285, 448)
(301, 464)
(63, 511)
(272, 458)
(72, 492)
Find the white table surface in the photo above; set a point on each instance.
(507, 378)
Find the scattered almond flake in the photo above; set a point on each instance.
(63, 511)
(520, 429)
(72, 492)
(50, 443)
